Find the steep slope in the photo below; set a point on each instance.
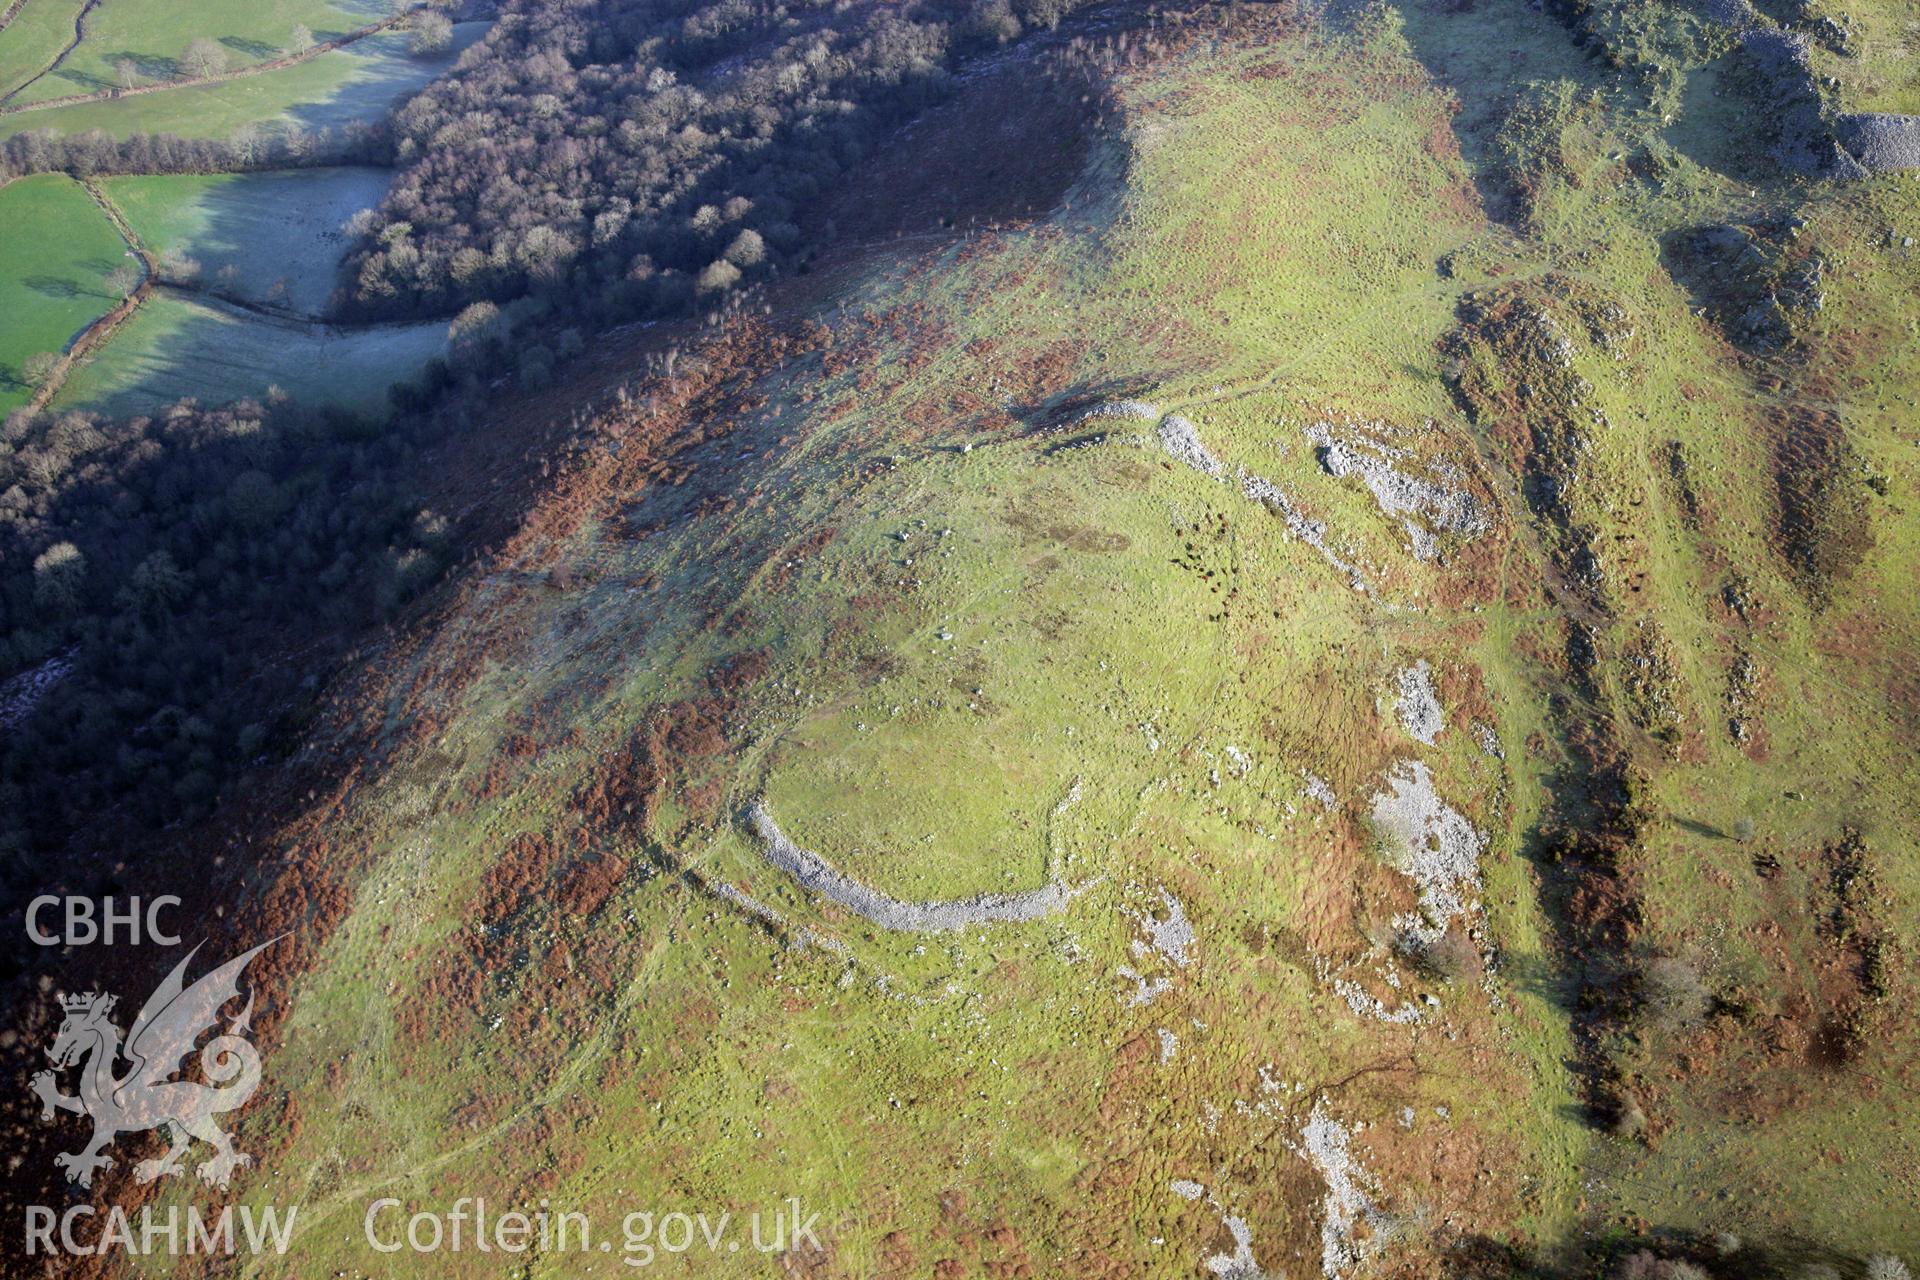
(1262, 720)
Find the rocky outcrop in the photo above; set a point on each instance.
(1879, 142)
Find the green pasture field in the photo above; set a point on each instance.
(355, 84)
(55, 252)
(152, 34)
(30, 43)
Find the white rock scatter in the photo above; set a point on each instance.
(1880, 142)
(1418, 705)
(1238, 1265)
(20, 695)
(1321, 790)
(1169, 1045)
(799, 937)
(1182, 442)
(1352, 1226)
(1121, 409)
(1432, 844)
(1737, 14)
(1365, 1004)
(1145, 990)
(1113, 411)
(1425, 505)
(818, 876)
(1312, 532)
(1171, 937)
(1489, 740)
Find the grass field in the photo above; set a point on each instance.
(35, 37)
(268, 237)
(153, 33)
(357, 83)
(176, 346)
(54, 255)
(1883, 71)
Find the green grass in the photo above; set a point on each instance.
(1833, 718)
(357, 83)
(268, 237)
(1883, 73)
(1260, 246)
(152, 34)
(35, 37)
(931, 705)
(57, 249)
(175, 346)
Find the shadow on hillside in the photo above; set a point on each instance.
(276, 238)
(1486, 54)
(1070, 403)
(1005, 149)
(184, 345)
(383, 76)
(1538, 976)
(1780, 1254)
(273, 240)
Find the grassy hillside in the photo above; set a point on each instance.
(1875, 61)
(1485, 527)
(54, 261)
(1384, 612)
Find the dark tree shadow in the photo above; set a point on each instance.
(53, 287)
(259, 50)
(150, 66)
(82, 81)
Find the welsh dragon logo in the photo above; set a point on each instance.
(170, 1024)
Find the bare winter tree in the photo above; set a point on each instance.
(39, 367)
(246, 145)
(432, 33)
(203, 58)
